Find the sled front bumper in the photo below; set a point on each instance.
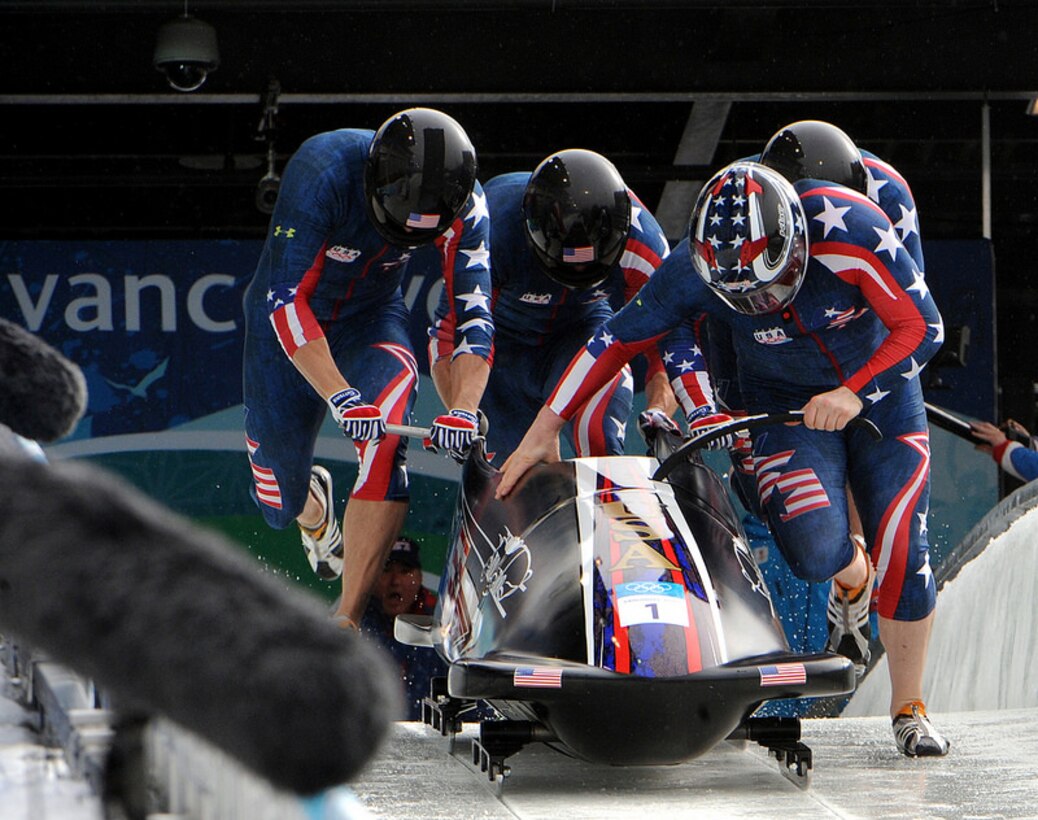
(608, 717)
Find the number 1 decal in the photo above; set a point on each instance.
(649, 602)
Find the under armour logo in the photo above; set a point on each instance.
(287, 232)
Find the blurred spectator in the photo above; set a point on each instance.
(1012, 447)
(399, 591)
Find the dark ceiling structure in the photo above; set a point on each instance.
(94, 144)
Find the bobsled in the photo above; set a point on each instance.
(612, 609)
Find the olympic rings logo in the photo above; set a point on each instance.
(648, 587)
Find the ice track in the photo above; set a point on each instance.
(981, 689)
(992, 772)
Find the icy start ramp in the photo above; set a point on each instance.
(984, 647)
(992, 771)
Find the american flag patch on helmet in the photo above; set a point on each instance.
(417, 220)
(579, 255)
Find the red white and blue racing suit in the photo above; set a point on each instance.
(325, 271)
(539, 325)
(888, 189)
(864, 319)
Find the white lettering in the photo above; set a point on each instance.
(100, 302)
(196, 303)
(95, 309)
(167, 300)
(33, 313)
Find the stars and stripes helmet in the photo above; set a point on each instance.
(812, 149)
(577, 215)
(420, 171)
(748, 238)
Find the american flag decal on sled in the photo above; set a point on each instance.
(538, 677)
(782, 674)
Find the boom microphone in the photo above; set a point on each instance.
(171, 619)
(43, 394)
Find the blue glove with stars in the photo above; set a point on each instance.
(357, 420)
(454, 432)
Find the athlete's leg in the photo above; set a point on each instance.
(282, 418)
(313, 513)
(800, 477)
(906, 644)
(890, 480)
(376, 358)
(369, 530)
(856, 573)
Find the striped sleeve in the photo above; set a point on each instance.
(687, 369)
(644, 252)
(290, 314)
(657, 308)
(466, 306)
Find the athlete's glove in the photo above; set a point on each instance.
(357, 420)
(706, 424)
(454, 432)
(654, 420)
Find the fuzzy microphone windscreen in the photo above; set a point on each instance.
(42, 394)
(176, 620)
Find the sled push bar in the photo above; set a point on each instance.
(407, 431)
(939, 417)
(745, 424)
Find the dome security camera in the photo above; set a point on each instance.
(267, 193)
(186, 52)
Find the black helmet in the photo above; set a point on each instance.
(420, 172)
(748, 238)
(811, 149)
(577, 215)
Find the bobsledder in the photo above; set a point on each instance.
(611, 608)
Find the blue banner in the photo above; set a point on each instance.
(156, 326)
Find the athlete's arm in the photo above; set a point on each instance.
(465, 380)
(314, 361)
(462, 338)
(644, 252)
(865, 252)
(658, 393)
(687, 369)
(307, 210)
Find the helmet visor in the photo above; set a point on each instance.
(768, 299)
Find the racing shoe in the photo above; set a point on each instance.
(848, 617)
(915, 735)
(323, 545)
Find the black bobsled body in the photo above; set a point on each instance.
(621, 617)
